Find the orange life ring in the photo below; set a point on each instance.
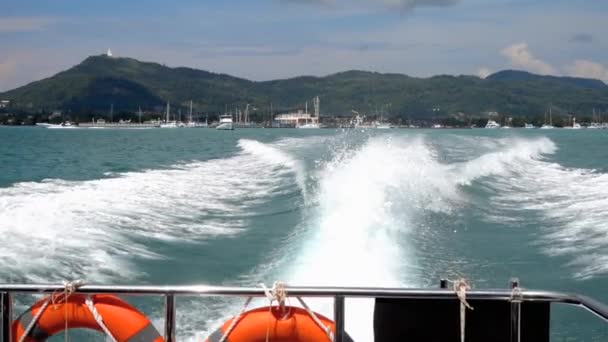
(295, 326)
(122, 320)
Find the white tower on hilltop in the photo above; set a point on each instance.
(109, 53)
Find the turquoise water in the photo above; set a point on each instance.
(323, 207)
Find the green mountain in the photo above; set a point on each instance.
(100, 81)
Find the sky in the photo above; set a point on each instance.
(270, 39)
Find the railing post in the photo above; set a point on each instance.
(6, 306)
(169, 318)
(339, 318)
(443, 284)
(515, 310)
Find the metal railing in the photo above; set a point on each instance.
(338, 293)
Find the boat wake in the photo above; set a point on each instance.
(567, 203)
(369, 210)
(96, 230)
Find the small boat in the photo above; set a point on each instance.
(492, 124)
(383, 125)
(167, 123)
(65, 125)
(226, 123)
(43, 124)
(550, 124)
(529, 126)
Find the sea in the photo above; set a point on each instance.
(327, 207)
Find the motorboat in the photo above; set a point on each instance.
(225, 123)
(492, 124)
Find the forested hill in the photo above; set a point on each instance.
(127, 84)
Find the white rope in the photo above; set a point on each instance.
(30, 326)
(69, 287)
(89, 302)
(278, 293)
(235, 320)
(460, 287)
(316, 319)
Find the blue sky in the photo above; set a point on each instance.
(270, 39)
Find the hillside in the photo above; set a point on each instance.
(100, 81)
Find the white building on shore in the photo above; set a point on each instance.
(301, 117)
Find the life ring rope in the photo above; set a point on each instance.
(89, 303)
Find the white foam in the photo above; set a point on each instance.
(571, 207)
(368, 199)
(57, 229)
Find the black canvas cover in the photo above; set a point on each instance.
(418, 320)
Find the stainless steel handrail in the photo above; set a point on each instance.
(338, 293)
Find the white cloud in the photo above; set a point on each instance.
(483, 72)
(24, 24)
(588, 69)
(520, 57)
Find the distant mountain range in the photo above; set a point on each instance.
(127, 84)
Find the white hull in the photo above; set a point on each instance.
(61, 127)
(309, 126)
(226, 126)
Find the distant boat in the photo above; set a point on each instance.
(226, 123)
(43, 124)
(65, 125)
(492, 124)
(550, 124)
(194, 124)
(528, 126)
(167, 123)
(575, 125)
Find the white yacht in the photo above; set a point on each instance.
(529, 126)
(226, 123)
(492, 124)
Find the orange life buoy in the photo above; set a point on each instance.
(122, 320)
(258, 324)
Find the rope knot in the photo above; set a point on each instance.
(277, 293)
(461, 286)
(69, 287)
(517, 294)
